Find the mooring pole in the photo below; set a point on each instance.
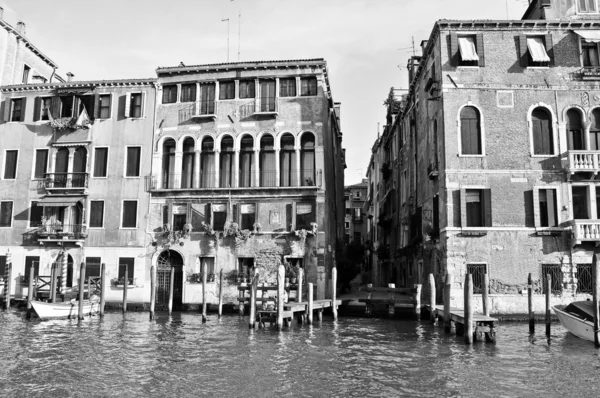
(152, 291)
(220, 293)
(204, 269)
(468, 309)
(172, 282)
(530, 303)
(548, 315)
(7, 282)
(125, 288)
(252, 318)
(102, 288)
(310, 304)
(596, 299)
(432, 298)
(447, 285)
(418, 301)
(280, 294)
(299, 288)
(53, 283)
(485, 294)
(333, 293)
(30, 291)
(81, 289)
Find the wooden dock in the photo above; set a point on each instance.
(483, 326)
(396, 298)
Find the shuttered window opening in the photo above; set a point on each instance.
(470, 130)
(478, 208)
(247, 89)
(580, 202)
(466, 45)
(100, 162)
(548, 208)
(575, 139)
(129, 215)
(169, 94)
(536, 50)
(467, 50)
(188, 92)
(247, 216)
(41, 163)
(96, 214)
(304, 215)
(17, 111)
(6, 214)
(130, 262)
(133, 161)
(308, 86)
(35, 215)
(104, 104)
(92, 266)
(541, 124)
(135, 110)
(287, 87)
(595, 130)
(226, 90)
(10, 164)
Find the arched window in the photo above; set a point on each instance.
(307, 160)
(226, 167)
(595, 130)
(187, 167)
(470, 131)
(168, 164)
(61, 166)
(541, 127)
(207, 163)
(267, 161)
(287, 162)
(246, 161)
(79, 168)
(574, 130)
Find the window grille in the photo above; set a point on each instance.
(555, 271)
(584, 278)
(478, 271)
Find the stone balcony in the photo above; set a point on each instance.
(585, 231)
(583, 162)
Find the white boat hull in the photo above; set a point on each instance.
(64, 310)
(579, 327)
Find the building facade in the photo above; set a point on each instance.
(355, 223)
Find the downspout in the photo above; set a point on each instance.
(52, 75)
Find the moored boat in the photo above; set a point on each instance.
(69, 309)
(577, 318)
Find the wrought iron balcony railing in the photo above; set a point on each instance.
(58, 231)
(66, 180)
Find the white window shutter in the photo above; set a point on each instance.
(143, 111)
(127, 104)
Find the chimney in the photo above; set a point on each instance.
(70, 76)
(1, 13)
(21, 28)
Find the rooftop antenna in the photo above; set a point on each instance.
(223, 20)
(413, 46)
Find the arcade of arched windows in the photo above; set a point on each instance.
(241, 162)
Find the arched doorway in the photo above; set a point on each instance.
(166, 260)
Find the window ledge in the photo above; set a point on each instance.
(208, 116)
(542, 156)
(267, 113)
(467, 67)
(549, 231)
(474, 232)
(470, 156)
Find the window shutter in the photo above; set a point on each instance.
(209, 214)
(23, 109)
(55, 107)
(37, 108)
(293, 216)
(143, 110)
(551, 199)
(75, 110)
(550, 48)
(523, 50)
(463, 208)
(487, 207)
(480, 50)
(536, 208)
(454, 49)
(236, 217)
(96, 106)
(6, 114)
(127, 104)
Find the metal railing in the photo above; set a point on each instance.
(65, 180)
(477, 271)
(587, 161)
(206, 108)
(267, 105)
(555, 271)
(62, 231)
(584, 278)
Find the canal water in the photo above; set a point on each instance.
(128, 355)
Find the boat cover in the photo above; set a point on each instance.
(581, 309)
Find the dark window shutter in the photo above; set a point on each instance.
(133, 162)
(23, 108)
(480, 50)
(100, 162)
(552, 211)
(6, 209)
(129, 214)
(523, 50)
(96, 214)
(55, 107)
(208, 214)
(454, 61)
(487, 207)
(549, 48)
(37, 109)
(235, 216)
(41, 163)
(6, 113)
(96, 106)
(10, 165)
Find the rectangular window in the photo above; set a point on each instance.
(226, 90)
(219, 216)
(304, 216)
(536, 50)
(92, 266)
(188, 92)
(17, 110)
(35, 215)
(589, 54)
(210, 267)
(587, 6)
(548, 208)
(245, 265)
(468, 50)
(6, 209)
(129, 263)
(29, 261)
(308, 86)
(66, 106)
(179, 216)
(96, 214)
(247, 89)
(100, 162)
(207, 99)
(10, 164)
(580, 203)
(26, 70)
(478, 208)
(104, 104)
(248, 216)
(133, 161)
(169, 94)
(555, 272)
(477, 271)
(41, 163)
(135, 109)
(45, 107)
(347, 224)
(267, 96)
(129, 215)
(287, 87)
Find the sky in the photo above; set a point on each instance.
(366, 43)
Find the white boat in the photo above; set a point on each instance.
(69, 309)
(577, 318)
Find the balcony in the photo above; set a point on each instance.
(267, 106)
(583, 162)
(58, 232)
(66, 181)
(585, 231)
(433, 170)
(589, 73)
(206, 110)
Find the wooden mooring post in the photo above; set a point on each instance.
(596, 293)
(204, 269)
(300, 280)
(548, 315)
(310, 304)
(333, 293)
(81, 289)
(7, 281)
(125, 288)
(432, 298)
(221, 293)
(252, 318)
(172, 280)
(468, 325)
(530, 303)
(485, 298)
(102, 288)
(152, 291)
(30, 291)
(52, 296)
(447, 286)
(419, 288)
(280, 293)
